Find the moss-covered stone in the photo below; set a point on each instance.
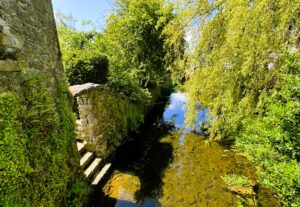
(106, 117)
(39, 160)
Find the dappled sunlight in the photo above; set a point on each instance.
(122, 186)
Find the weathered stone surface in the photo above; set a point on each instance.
(29, 52)
(102, 118)
(79, 90)
(28, 36)
(9, 66)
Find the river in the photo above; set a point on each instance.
(166, 164)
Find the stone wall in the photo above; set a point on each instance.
(106, 117)
(39, 160)
(28, 42)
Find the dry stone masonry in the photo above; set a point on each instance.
(106, 117)
(39, 152)
(95, 123)
(28, 42)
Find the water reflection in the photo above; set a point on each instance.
(139, 167)
(175, 113)
(166, 165)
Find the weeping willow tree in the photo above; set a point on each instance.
(239, 53)
(245, 69)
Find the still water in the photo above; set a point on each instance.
(167, 165)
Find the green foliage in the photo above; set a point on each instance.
(78, 192)
(83, 60)
(38, 159)
(235, 180)
(80, 70)
(245, 69)
(136, 47)
(139, 51)
(140, 58)
(128, 84)
(120, 115)
(273, 139)
(14, 165)
(238, 54)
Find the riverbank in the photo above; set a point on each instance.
(167, 166)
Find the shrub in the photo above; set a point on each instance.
(86, 69)
(273, 139)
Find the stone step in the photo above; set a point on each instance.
(78, 122)
(78, 125)
(100, 175)
(79, 136)
(91, 169)
(86, 158)
(80, 146)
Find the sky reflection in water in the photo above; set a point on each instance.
(175, 112)
(193, 178)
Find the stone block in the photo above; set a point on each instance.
(86, 107)
(84, 113)
(9, 66)
(83, 122)
(23, 65)
(92, 120)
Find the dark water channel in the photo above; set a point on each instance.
(168, 165)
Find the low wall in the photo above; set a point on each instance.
(105, 117)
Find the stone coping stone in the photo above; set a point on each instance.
(78, 90)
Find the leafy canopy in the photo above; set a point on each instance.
(245, 69)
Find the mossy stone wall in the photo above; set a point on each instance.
(39, 160)
(106, 117)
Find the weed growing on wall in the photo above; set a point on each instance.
(120, 116)
(38, 154)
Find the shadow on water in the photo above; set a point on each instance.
(146, 157)
(167, 165)
(143, 156)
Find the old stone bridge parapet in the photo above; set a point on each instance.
(88, 123)
(105, 117)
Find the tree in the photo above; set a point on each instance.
(136, 46)
(83, 59)
(246, 71)
(239, 51)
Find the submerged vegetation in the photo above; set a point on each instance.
(238, 58)
(245, 69)
(242, 62)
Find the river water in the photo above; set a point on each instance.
(168, 165)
